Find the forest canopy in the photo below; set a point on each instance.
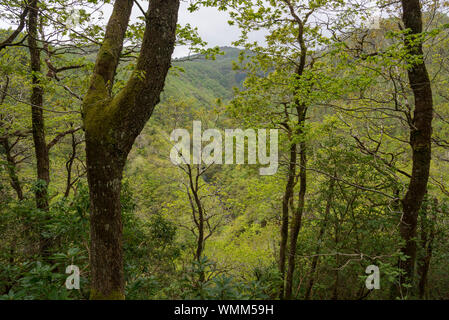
(356, 92)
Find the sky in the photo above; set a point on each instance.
(212, 25)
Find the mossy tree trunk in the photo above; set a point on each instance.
(420, 138)
(37, 116)
(113, 122)
(38, 125)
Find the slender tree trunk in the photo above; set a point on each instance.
(337, 260)
(113, 123)
(197, 206)
(11, 164)
(200, 242)
(420, 139)
(199, 222)
(12, 170)
(69, 165)
(288, 194)
(427, 237)
(37, 117)
(297, 215)
(301, 109)
(320, 239)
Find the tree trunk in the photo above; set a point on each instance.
(420, 140)
(427, 238)
(40, 146)
(69, 165)
(297, 215)
(113, 123)
(337, 260)
(11, 168)
(301, 110)
(197, 206)
(320, 239)
(288, 194)
(106, 263)
(4, 141)
(37, 119)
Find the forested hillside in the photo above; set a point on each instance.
(205, 80)
(87, 178)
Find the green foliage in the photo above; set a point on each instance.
(202, 280)
(356, 131)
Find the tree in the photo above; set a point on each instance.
(420, 135)
(387, 51)
(112, 123)
(286, 77)
(37, 113)
(8, 146)
(38, 13)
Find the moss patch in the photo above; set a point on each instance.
(114, 295)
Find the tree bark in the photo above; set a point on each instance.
(113, 123)
(288, 194)
(337, 258)
(301, 110)
(69, 165)
(196, 205)
(12, 170)
(4, 141)
(320, 239)
(298, 213)
(427, 238)
(37, 117)
(106, 261)
(420, 139)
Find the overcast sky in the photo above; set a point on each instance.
(212, 25)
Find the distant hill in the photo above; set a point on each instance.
(204, 80)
